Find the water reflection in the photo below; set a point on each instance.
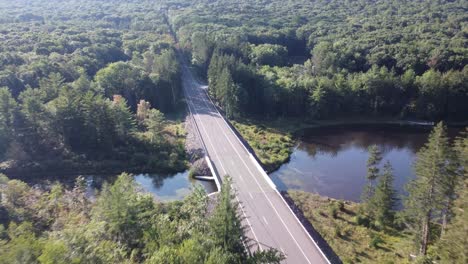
(171, 188)
(331, 161)
(165, 187)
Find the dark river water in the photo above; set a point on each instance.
(174, 187)
(165, 187)
(331, 161)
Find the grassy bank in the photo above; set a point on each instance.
(272, 146)
(272, 140)
(335, 221)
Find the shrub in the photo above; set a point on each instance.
(191, 172)
(361, 220)
(337, 231)
(340, 205)
(333, 209)
(333, 212)
(376, 240)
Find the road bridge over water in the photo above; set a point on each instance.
(269, 220)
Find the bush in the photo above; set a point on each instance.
(361, 220)
(333, 209)
(337, 231)
(376, 240)
(191, 172)
(340, 205)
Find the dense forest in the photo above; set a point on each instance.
(85, 86)
(94, 85)
(328, 59)
(121, 225)
(74, 75)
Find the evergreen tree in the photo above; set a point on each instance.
(383, 201)
(123, 118)
(8, 108)
(372, 174)
(51, 85)
(225, 224)
(227, 232)
(426, 194)
(124, 211)
(155, 124)
(229, 93)
(213, 74)
(453, 245)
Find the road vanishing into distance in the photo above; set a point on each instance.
(269, 221)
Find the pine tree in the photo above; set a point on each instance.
(426, 194)
(213, 74)
(372, 174)
(225, 224)
(228, 92)
(453, 245)
(8, 109)
(155, 124)
(383, 201)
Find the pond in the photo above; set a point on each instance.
(165, 187)
(331, 161)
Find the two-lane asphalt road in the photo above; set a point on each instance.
(269, 220)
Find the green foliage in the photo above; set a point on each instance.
(225, 224)
(155, 124)
(333, 210)
(376, 240)
(23, 245)
(383, 201)
(350, 240)
(428, 198)
(268, 54)
(55, 252)
(452, 245)
(270, 144)
(122, 225)
(8, 109)
(78, 86)
(375, 157)
(124, 210)
(398, 58)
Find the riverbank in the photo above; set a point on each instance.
(336, 222)
(172, 159)
(273, 147)
(273, 140)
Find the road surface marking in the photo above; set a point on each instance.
(253, 176)
(265, 220)
(216, 154)
(248, 222)
(204, 129)
(250, 195)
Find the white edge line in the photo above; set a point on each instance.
(217, 181)
(248, 222)
(189, 106)
(209, 161)
(268, 179)
(268, 199)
